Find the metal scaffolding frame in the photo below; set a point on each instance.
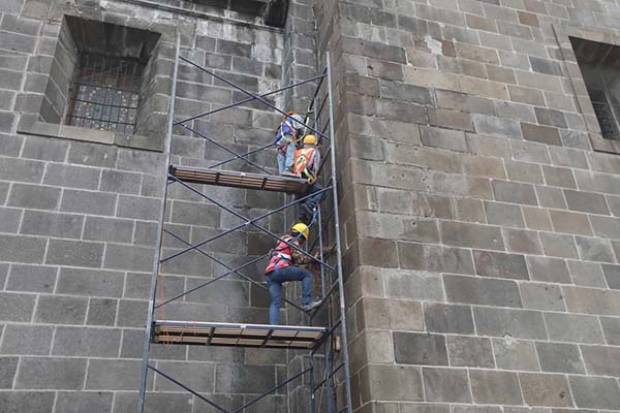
(330, 341)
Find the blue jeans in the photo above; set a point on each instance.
(275, 281)
(285, 161)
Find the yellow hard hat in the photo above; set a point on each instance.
(309, 140)
(301, 228)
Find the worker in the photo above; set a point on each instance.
(284, 267)
(306, 166)
(286, 139)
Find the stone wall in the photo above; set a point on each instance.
(481, 227)
(78, 220)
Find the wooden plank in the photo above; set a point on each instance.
(238, 179)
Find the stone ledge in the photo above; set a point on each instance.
(54, 130)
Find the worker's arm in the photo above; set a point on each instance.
(300, 259)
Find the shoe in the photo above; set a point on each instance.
(312, 305)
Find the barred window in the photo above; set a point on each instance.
(105, 93)
(600, 67)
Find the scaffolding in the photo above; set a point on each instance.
(327, 341)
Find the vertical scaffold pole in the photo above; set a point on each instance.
(157, 258)
(343, 309)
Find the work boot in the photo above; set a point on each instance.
(312, 305)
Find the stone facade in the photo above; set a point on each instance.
(480, 208)
(481, 224)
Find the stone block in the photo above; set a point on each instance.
(72, 176)
(594, 249)
(560, 358)
(30, 401)
(542, 134)
(446, 385)
(244, 379)
(98, 203)
(51, 373)
(545, 297)
(545, 390)
(101, 311)
(490, 125)
(113, 374)
(45, 149)
(16, 307)
(108, 229)
(33, 196)
(471, 235)
(120, 181)
(586, 274)
(471, 210)
(549, 270)
(537, 218)
(570, 222)
(526, 95)
(133, 258)
(26, 339)
(21, 170)
(93, 154)
(559, 245)
(500, 265)
(78, 402)
(442, 318)
(522, 241)
(453, 140)
(511, 354)
(611, 329)
(463, 102)
(383, 313)
(413, 285)
(466, 351)
(52, 224)
(88, 342)
(612, 275)
(146, 233)
(90, 282)
(451, 119)
(484, 166)
(391, 383)
(592, 301)
(500, 322)
(32, 278)
(601, 360)
(514, 192)
(550, 117)
(503, 214)
(75, 253)
(606, 227)
(139, 207)
(434, 258)
(550, 197)
(586, 202)
(495, 387)
(573, 328)
(132, 313)
(195, 214)
(562, 177)
(199, 377)
(471, 290)
(404, 92)
(595, 392)
(427, 349)
(61, 310)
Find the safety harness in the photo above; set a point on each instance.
(281, 255)
(304, 164)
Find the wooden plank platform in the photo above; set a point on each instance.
(237, 335)
(238, 179)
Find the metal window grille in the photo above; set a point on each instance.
(105, 93)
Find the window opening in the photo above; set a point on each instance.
(106, 93)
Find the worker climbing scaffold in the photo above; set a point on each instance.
(298, 164)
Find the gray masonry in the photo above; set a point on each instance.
(480, 207)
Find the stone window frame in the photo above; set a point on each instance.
(578, 85)
(32, 123)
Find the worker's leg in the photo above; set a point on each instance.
(290, 156)
(297, 274)
(275, 295)
(311, 203)
(281, 162)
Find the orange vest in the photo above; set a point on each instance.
(304, 158)
(281, 256)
